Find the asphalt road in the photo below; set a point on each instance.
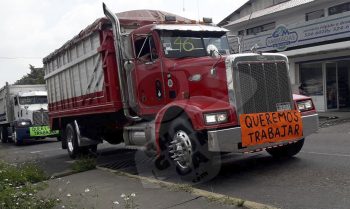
(317, 178)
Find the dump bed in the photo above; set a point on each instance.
(82, 76)
(7, 94)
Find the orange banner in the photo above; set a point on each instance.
(270, 127)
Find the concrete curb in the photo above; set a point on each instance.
(63, 174)
(210, 196)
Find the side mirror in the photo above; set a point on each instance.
(213, 51)
(129, 65)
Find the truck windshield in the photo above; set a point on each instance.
(181, 44)
(33, 100)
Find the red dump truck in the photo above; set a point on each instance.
(154, 80)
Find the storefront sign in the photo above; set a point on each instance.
(283, 37)
(270, 127)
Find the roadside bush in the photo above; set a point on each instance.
(84, 164)
(19, 188)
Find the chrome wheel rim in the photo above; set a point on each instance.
(15, 137)
(181, 150)
(70, 140)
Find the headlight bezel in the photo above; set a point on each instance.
(24, 123)
(215, 118)
(305, 105)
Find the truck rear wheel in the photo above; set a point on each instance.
(3, 134)
(286, 151)
(72, 141)
(188, 152)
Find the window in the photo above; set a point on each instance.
(241, 33)
(314, 15)
(261, 28)
(145, 49)
(311, 79)
(339, 9)
(33, 100)
(183, 44)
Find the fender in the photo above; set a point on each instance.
(194, 108)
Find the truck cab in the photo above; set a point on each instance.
(203, 100)
(31, 117)
(25, 113)
(174, 61)
(31, 107)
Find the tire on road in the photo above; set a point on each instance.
(74, 151)
(286, 151)
(16, 138)
(3, 134)
(187, 150)
(72, 141)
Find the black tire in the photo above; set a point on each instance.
(63, 139)
(72, 142)
(286, 151)
(90, 151)
(3, 134)
(15, 138)
(199, 165)
(93, 148)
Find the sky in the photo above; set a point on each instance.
(32, 29)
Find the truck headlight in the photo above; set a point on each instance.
(305, 105)
(24, 123)
(215, 118)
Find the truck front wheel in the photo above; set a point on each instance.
(71, 141)
(188, 151)
(16, 138)
(3, 134)
(286, 151)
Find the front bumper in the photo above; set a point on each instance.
(229, 140)
(24, 133)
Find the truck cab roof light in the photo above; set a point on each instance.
(169, 18)
(208, 20)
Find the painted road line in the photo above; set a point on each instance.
(210, 196)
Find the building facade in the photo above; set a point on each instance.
(314, 34)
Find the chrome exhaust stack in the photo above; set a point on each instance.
(119, 57)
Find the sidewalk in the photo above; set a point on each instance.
(334, 115)
(102, 189)
(333, 118)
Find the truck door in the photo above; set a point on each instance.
(148, 75)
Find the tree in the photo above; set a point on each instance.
(36, 76)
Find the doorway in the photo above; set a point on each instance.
(332, 86)
(337, 85)
(327, 83)
(344, 84)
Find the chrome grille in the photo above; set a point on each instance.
(40, 118)
(260, 87)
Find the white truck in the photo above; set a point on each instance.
(24, 113)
